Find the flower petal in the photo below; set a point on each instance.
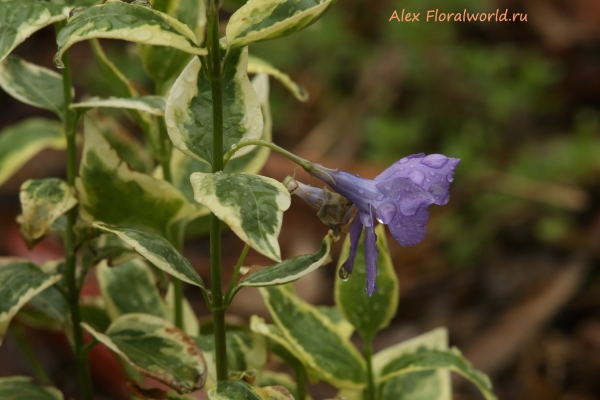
(371, 255)
(355, 231)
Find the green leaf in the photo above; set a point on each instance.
(252, 206)
(52, 303)
(189, 109)
(291, 269)
(157, 349)
(259, 66)
(271, 378)
(268, 19)
(20, 281)
(32, 84)
(130, 288)
(424, 353)
(368, 314)
(158, 251)
(109, 191)
(77, 3)
(151, 104)
(19, 19)
(335, 316)
(19, 143)
(321, 347)
(238, 390)
(163, 64)
(42, 202)
(135, 23)
(21, 387)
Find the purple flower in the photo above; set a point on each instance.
(399, 198)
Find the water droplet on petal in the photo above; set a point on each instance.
(103, 25)
(450, 177)
(417, 177)
(343, 274)
(361, 190)
(403, 160)
(436, 161)
(386, 212)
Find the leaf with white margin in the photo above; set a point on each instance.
(368, 314)
(20, 281)
(163, 64)
(252, 206)
(129, 288)
(42, 202)
(154, 105)
(271, 378)
(158, 251)
(336, 317)
(131, 22)
(109, 191)
(32, 84)
(191, 326)
(19, 143)
(157, 349)
(260, 20)
(291, 269)
(19, 19)
(323, 349)
(259, 66)
(189, 116)
(238, 390)
(22, 387)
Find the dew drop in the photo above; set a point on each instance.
(416, 176)
(431, 173)
(58, 62)
(141, 34)
(103, 25)
(436, 161)
(450, 177)
(201, 143)
(127, 19)
(343, 274)
(403, 160)
(361, 190)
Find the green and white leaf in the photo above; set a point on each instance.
(32, 84)
(335, 316)
(158, 251)
(154, 105)
(42, 202)
(189, 109)
(130, 288)
(21, 387)
(239, 390)
(271, 378)
(191, 326)
(19, 143)
(368, 314)
(109, 191)
(52, 303)
(20, 281)
(132, 22)
(260, 20)
(77, 3)
(291, 269)
(252, 206)
(157, 349)
(259, 66)
(19, 19)
(325, 351)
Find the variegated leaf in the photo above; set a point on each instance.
(268, 19)
(129, 288)
(32, 84)
(42, 202)
(291, 269)
(151, 104)
(252, 206)
(238, 390)
(332, 357)
(157, 349)
(154, 393)
(259, 66)
(21, 387)
(20, 281)
(271, 378)
(191, 326)
(109, 191)
(335, 316)
(189, 109)
(368, 314)
(19, 143)
(77, 3)
(158, 251)
(132, 22)
(19, 19)
(163, 64)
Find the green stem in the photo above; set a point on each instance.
(236, 273)
(300, 373)
(70, 124)
(32, 359)
(368, 350)
(178, 292)
(216, 81)
(307, 165)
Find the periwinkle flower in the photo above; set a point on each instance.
(399, 197)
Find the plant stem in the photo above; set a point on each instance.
(236, 273)
(307, 165)
(300, 373)
(29, 353)
(70, 124)
(216, 82)
(368, 350)
(178, 294)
